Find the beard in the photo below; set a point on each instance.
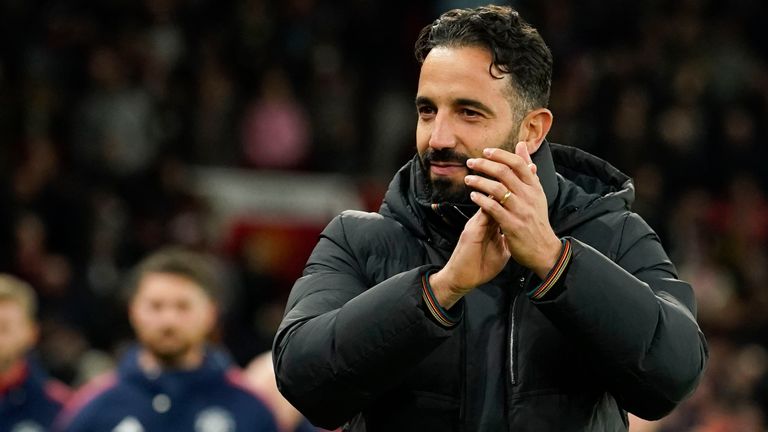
(444, 189)
(168, 347)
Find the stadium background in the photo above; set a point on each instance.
(240, 128)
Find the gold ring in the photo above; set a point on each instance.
(506, 195)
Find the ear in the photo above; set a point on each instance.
(534, 128)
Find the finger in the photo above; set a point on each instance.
(479, 220)
(522, 150)
(501, 172)
(487, 186)
(518, 163)
(489, 206)
(482, 225)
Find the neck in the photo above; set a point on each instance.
(189, 360)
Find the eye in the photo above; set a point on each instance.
(469, 113)
(183, 306)
(426, 111)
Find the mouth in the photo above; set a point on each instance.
(447, 168)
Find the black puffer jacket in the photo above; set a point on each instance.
(357, 345)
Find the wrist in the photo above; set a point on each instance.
(446, 317)
(549, 258)
(443, 289)
(553, 284)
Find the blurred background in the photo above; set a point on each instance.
(242, 127)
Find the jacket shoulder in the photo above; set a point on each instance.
(87, 401)
(359, 227)
(603, 233)
(364, 233)
(380, 245)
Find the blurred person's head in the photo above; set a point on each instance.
(172, 306)
(18, 326)
(484, 82)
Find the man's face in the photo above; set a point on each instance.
(462, 110)
(172, 316)
(17, 333)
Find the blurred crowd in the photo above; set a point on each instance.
(106, 106)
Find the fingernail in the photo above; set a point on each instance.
(470, 162)
(488, 151)
(469, 179)
(473, 195)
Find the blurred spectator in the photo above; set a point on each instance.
(214, 116)
(115, 128)
(276, 130)
(188, 384)
(29, 400)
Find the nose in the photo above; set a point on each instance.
(442, 135)
(169, 316)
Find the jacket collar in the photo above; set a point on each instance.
(545, 169)
(215, 364)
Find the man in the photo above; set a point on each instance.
(504, 284)
(29, 400)
(172, 381)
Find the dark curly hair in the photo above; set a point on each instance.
(515, 46)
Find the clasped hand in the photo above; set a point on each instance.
(517, 228)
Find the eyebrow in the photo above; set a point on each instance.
(423, 100)
(475, 104)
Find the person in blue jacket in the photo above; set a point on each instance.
(29, 399)
(172, 380)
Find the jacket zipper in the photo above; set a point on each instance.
(513, 327)
(463, 383)
(512, 374)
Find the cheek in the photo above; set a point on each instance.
(200, 321)
(422, 137)
(16, 341)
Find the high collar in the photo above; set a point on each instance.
(545, 169)
(215, 363)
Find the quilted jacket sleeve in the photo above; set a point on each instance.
(343, 340)
(636, 318)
